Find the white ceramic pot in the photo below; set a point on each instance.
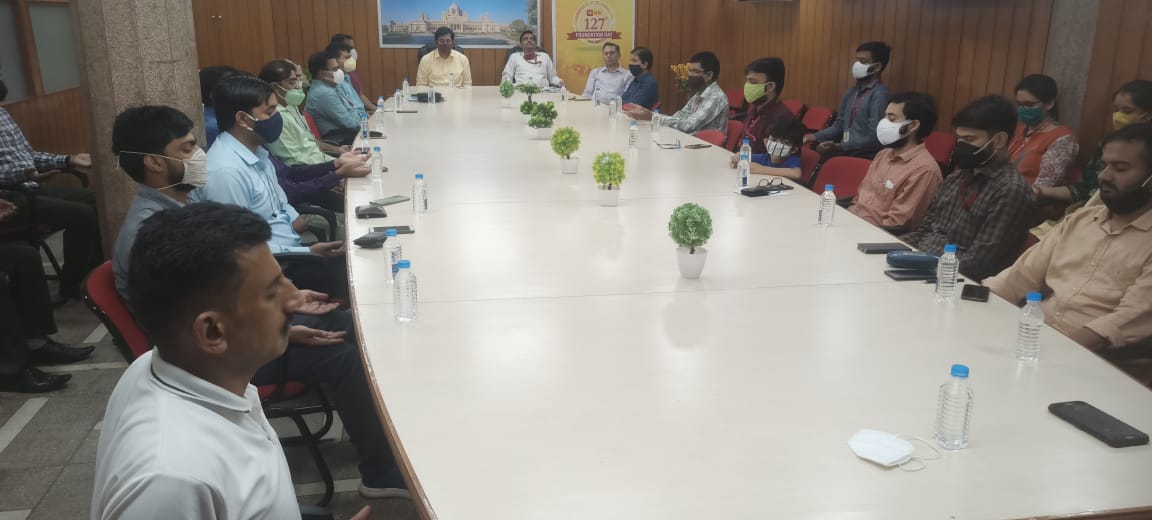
(609, 197)
(506, 102)
(691, 265)
(544, 133)
(569, 165)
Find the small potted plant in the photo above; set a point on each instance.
(690, 227)
(543, 114)
(608, 169)
(506, 92)
(565, 142)
(526, 108)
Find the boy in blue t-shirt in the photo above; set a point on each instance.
(783, 157)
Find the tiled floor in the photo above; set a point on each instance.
(48, 441)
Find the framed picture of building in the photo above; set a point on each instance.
(477, 23)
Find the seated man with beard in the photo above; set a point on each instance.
(1094, 269)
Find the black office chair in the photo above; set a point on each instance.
(518, 48)
(27, 229)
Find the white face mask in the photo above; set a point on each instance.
(337, 76)
(889, 450)
(777, 149)
(888, 132)
(195, 168)
(354, 54)
(860, 70)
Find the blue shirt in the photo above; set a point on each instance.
(211, 129)
(236, 175)
(860, 111)
(331, 109)
(147, 203)
(349, 92)
(643, 91)
(792, 161)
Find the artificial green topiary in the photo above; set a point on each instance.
(608, 169)
(527, 107)
(690, 226)
(528, 88)
(543, 114)
(507, 89)
(565, 142)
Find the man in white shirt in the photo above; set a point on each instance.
(610, 81)
(531, 65)
(184, 434)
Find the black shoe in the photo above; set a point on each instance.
(32, 381)
(53, 353)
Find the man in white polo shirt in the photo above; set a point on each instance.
(184, 434)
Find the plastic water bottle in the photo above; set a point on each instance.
(746, 148)
(1028, 334)
(656, 125)
(404, 291)
(613, 108)
(380, 104)
(451, 80)
(742, 169)
(563, 93)
(946, 269)
(393, 252)
(827, 206)
(596, 97)
(376, 163)
(398, 100)
(404, 86)
(419, 195)
(431, 93)
(364, 135)
(633, 135)
(954, 413)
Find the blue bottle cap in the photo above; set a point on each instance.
(1035, 297)
(390, 232)
(655, 110)
(960, 371)
(633, 122)
(376, 149)
(404, 264)
(420, 176)
(828, 187)
(745, 140)
(949, 248)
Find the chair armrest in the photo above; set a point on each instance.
(310, 512)
(328, 215)
(844, 202)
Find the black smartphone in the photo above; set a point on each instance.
(1097, 423)
(881, 248)
(400, 230)
(388, 201)
(974, 293)
(697, 146)
(910, 275)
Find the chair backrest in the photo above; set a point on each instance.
(518, 48)
(845, 173)
(429, 47)
(312, 125)
(102, 299)
(795, 106)
(735, 131)
(809, 161)
(940, 145)
(713, 137)
(735, 98)
(817, 118)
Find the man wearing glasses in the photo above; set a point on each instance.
(531, 65)
(707, 109)
(445, 67)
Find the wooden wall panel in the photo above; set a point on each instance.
(1121, 52)
(50, 121)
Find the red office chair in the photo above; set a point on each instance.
(809, 163)
(940, 145)
(795, 106)
(713, 137)
(817, 118)
(102, 299)
(735, 134)
(312, 125)
(845, 173)
(735, 100)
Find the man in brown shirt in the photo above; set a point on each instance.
(903, 178)
(1095, 267)
(985, 205)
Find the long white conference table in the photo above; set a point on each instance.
(560, 368)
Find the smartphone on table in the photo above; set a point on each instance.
(1097, 423)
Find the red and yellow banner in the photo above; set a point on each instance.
(581, 27)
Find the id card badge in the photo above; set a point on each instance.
(846, 135)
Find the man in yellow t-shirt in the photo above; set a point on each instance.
(446, 65)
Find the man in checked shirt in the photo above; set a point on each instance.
(984, 206)
(70, 209)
